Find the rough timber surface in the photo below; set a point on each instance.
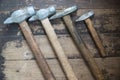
(17, 62)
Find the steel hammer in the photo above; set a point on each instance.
(86, 17)
(79, 42)
(19, 17)
(42, 15)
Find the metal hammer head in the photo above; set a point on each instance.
(64, 12)
(85, 16)
(20, 15)
(43, 13)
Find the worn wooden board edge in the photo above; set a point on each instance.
(19, 45)
(2, 59)
(59, 4)
(27, 69)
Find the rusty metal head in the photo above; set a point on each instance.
(43, 13)
(20, 15)
(85, 16)
(64, 12)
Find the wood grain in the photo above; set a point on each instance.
(95, 70)
(59, 4)
(16, 52)
(28, 70)
(58, 50)
(40, 60)
(95, 37)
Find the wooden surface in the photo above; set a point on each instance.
(40, 59)
(86, 54)
(95, 37)
(58, 49)
(17, 62)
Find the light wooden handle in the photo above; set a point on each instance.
(82, 48)
(58, 50)
(95, 37)
(36, 51)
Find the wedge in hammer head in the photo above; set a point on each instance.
(43, 13)
(20, 15)
(85, 16)
(64, 12)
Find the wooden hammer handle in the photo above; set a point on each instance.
(95, 37)
(36, 51)
(58, 50)
(82, 48)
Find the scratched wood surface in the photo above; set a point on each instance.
(17, 62)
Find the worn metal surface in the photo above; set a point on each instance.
(20, 15)
(43, 13)
(85, 16)
(64, 12)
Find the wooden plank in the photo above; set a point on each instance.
(108, 4)
(23, 52)
(59, 4)
(105, 21)
(28, 70)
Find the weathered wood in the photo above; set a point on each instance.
(11, 47)
(58, 49)
(95, 37)
(40, 59)
(23, 52)
(105, 21)
(14, 5)
(95, 70)
(28, 70)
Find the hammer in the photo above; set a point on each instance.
(42, 15)
(19, 17)
(86, 17)
(79, 42)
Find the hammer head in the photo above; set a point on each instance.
(20, 15)
(64, 12)
(85, 16)
(43, 13)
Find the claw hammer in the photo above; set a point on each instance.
(95, 70)
(19, 17)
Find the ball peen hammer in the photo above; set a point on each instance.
(42, 15)
(79, 42)
(86, 17)
(19, 17)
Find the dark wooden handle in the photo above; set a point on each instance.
(95, 37)
(36, 51)
(58, 50)
(84, 51)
